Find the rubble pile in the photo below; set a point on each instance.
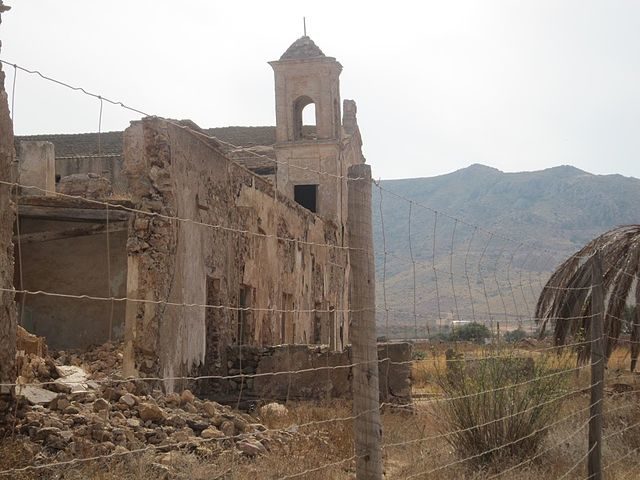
(100, 362)
(73, 405)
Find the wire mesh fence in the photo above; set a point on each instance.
(488, 396)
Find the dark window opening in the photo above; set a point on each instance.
(307, 196)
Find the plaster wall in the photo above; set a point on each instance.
(36, 167)
(300, 163)
(75, 266)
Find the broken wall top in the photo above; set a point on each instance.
(259, 140)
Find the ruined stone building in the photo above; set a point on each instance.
(212, 237)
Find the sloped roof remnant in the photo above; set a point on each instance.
(78, 144)
(244, 136)
(251, 147)
(303, 47)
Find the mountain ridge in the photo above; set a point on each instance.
(493, 224)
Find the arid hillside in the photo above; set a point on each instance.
(488, 238)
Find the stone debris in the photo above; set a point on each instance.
(274, 410)
(251, 447)
(211, 432)
(128, 400)
(186, 397)
(68, 411)
(29, 343)
(150, 412)
(62, 424)
(72, 379)
(36, 395)
(31, 368)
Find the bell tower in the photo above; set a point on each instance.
(305, 75)
(309, 168)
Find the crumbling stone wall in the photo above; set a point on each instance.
(86, 153)
(233, 253)
(7, 306)
(318, 373)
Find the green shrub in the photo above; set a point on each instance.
(418, 355)
(440, 337)
(497, 407)
(471, 332)
(515, 335)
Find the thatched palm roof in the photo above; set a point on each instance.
(566, 299)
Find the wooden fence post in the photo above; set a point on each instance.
(598, 361)
(366, 401)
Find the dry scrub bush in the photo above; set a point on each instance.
(496, 409)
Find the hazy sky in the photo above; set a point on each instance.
(517, 85)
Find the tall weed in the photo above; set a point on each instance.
(499, 407)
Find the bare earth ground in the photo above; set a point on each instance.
(319, 451)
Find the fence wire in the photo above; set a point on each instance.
(438, 274)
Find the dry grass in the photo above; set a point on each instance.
(326, 443)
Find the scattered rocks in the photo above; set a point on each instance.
(29, 343)
(44, 433)
(211, 409)
(71, 379)
(71, 409)
(36, 395)
(32, 368)
(228, 428)
(197, 425)
(274, 410)
(101, 404)
(172, 399)
(187, 397)
(150, 412)
(133, 422)
(128, 400)
(190, 407)
(211, 432)
(251, 447)
(59, 403)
